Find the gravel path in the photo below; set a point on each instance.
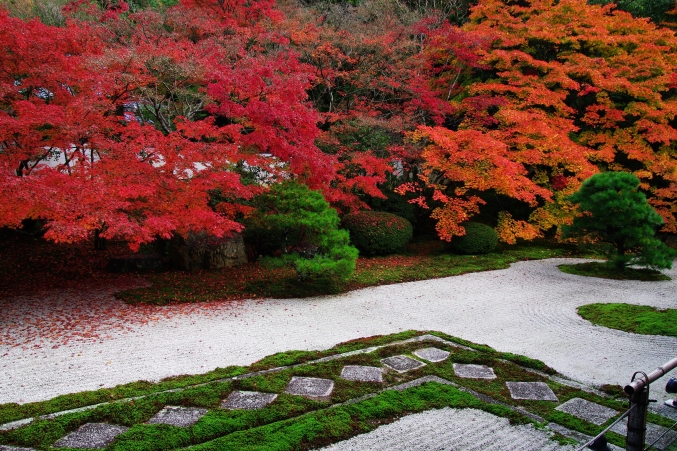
(451, 429)
(529, 309)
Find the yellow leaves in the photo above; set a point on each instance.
(509, 229)
(453, 213)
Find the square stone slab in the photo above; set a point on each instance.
(653, 431)
(362, 373)
(248, 400)
(537, 391)
(178, 416)
(310, 387)
(470, 371)
(588, 411)
(91, 435)
(432, 354)
(402, 363)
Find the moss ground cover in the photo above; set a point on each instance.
(421, 261)
(296, 423)
(79, 266)
(638, 319)
(602, 270)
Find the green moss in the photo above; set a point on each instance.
(638, 319)
(478, 239)
(604, 271)
(12, 411)
(421, 262)
(316, 429)
(294, 422)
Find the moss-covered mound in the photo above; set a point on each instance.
(378, 232)
(478, 239)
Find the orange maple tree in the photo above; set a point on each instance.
(559, 91)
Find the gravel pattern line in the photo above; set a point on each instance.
(529, 309)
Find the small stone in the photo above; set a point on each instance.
(310, 387)
(362, 373)
(14, 448)
(248, 400)
(470, 371)
(178, 416)
(538, 391)
(402, 363)
(653, 431)
(432, 354)
(91, 435)
(588, 411)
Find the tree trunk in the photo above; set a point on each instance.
(99, 242)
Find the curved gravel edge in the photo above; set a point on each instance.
(529, 309)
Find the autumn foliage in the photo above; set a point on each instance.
(125, 123)
(125, 129)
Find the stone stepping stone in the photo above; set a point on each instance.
(362, 373)
(248, 400)
(432, 354)
(470, 371)
(310, 387)
(589, 411)
(402, 363)
(91, 435)
(14, 448)
(538, 391)
(653, 431)
(178, 416)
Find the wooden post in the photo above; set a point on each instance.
(636, 435)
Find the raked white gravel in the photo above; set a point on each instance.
(452, 429)
(528, 309)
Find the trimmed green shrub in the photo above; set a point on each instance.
(299, 228)
(613, 210)
(478, 239)
(378, 232)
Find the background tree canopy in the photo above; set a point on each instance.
(121, 120)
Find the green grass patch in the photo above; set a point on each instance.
(638, 319)
(604, 271)
(294, 422)
(322, 428)
(12, 411)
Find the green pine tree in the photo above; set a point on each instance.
(615, 211)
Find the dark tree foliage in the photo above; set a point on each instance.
(653, 9)
(615, 211)
(304, 232)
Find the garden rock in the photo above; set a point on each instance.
(588, 411)
(402, 363)
(248, 400)
(538, 391)
(178, 416)
(91, 435)
(469, 371)
(310, 387)
(202, 251)
(362, 373)
(432, 354)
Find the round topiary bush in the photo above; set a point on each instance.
(378, 232)
(478, 239)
